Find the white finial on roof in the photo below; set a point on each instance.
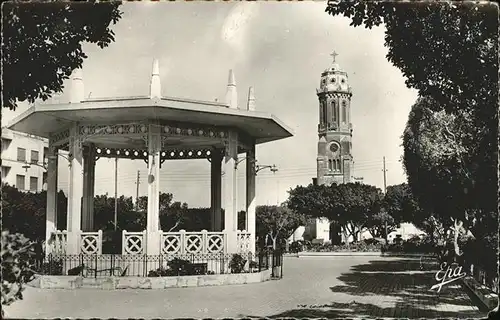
(251, 99)
(231, 92)
(155, 85)
(77, 94)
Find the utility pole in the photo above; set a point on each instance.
(274, 170)
(385, 190)
(116, 192)
(137, 191)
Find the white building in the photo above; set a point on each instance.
(23, 157)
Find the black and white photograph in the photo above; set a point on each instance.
(249, 159)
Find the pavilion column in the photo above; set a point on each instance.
(250, 196)
(88, 189)
(51, 213)
(153, 217)
(75, 191)
(230, 193)
(216, 189)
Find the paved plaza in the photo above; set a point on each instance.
(312, 287)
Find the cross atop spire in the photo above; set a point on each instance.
(334, 54)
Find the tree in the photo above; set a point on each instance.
(25, 212)
(445, 50)
(16, 266)
(279, 222)
(449, 53)
(377, 223)
(355, 205)
(314, 201)
(458, 185)
(43, 44)
(402, 206)
(175, 216)
(352, 205)
(127, 218)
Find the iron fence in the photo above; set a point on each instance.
(103, 265)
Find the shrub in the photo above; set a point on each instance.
(361, 246)
(295, 247)
(180, 267)
(16, 268)
(52, 268)
(160, 272)
(237, 263)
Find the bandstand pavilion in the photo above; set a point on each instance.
(155, 129)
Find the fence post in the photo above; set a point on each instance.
(204, 241)
(182, 236)
(99, 241)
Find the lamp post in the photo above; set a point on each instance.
(43, 165)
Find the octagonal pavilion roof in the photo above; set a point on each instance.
(44, 119)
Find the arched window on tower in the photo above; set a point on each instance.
(334, 165)
(344, 111)
(338, 165)
(323, 106)
(334, 112)
(330, 165)
(321, 113)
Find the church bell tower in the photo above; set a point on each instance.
(334, 161)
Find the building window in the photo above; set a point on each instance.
(21, 154)
(34, 156)
(5, 144)
(5, 172)
(330, 165)
(20, 182)
(33, 184)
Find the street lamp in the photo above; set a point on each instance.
(43, 165)
(272, 168)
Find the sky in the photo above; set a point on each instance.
(280, 49)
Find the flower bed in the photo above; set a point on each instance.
(361, 246)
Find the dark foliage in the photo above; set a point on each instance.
(43, 44)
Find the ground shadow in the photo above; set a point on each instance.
(402, 283)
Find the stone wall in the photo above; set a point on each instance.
(111, 283)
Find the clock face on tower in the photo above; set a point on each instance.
(334, 147)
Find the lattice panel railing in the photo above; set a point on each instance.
(243, 241)
(183, 242)
(91, 242)
(133, 243)
(58, 242)
(215, 242)
(171, 243)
